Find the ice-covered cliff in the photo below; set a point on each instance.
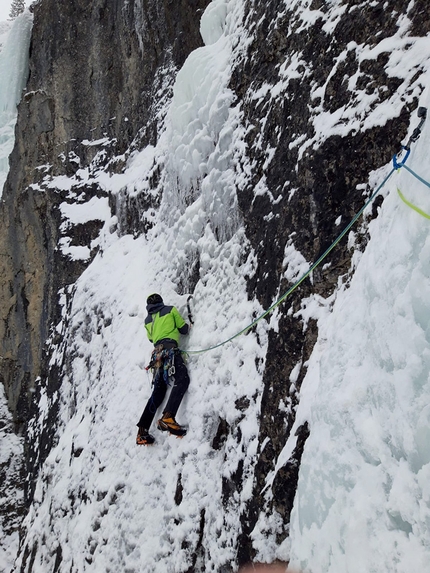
(218, 148)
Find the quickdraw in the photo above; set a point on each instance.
(422, 114)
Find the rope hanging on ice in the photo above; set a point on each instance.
(412, 206)
(422, 113)
(408, 203)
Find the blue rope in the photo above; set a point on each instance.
(417, 176)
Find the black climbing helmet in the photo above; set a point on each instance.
(154, 299)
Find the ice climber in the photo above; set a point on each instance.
(163, 326)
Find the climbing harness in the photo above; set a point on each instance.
(422, 113)
(162, 364)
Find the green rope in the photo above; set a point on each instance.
(412, 206)
(302, 278)
(408, 203)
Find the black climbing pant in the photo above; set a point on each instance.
(180, 385)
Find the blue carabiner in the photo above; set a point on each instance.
(398, 165)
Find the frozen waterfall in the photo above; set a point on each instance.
(13, 74)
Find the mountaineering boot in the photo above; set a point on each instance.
(168, 424)
(144, 438)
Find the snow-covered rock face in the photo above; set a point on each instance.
(363, 496)
(216, 148)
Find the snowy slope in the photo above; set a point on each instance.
(101, 503)
(131, 509)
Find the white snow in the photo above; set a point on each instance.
(79, 213)
(294, 263)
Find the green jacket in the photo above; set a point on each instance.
(164, 323)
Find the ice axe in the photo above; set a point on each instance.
(190, 316)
